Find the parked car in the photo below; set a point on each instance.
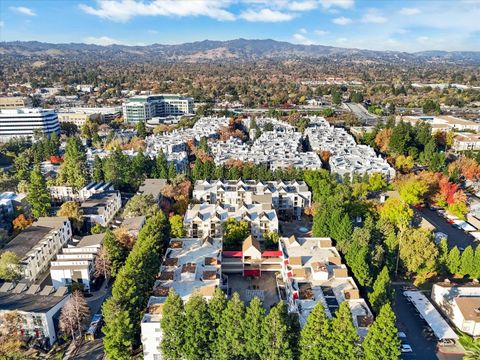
(406, 348)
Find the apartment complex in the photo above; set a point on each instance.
(190, 266)
(13, 102)
(106, 114)
(40, 243)
(203, 220)
(101, 208)
(27, 122)
(67, 193)
(38, 309)
(146, 107)
(289, 198)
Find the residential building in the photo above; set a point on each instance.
(466, 142)
(38, 244)
(25, 122)
(312, 272)
(38, 308)
(67, 193)
(133, 225)
(190, 266)
(145, 107)
(206, 219)
(76, 262)
(153, 187)
(101, 208)
(14, 102)
(460, 303)
(9, 203)
(443, 122)
(289, 198)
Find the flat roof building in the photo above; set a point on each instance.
(23, 122)
(13, 102)
(443, 122)
(145, 107)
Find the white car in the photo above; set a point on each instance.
(405, 348)
(402, 335)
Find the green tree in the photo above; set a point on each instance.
(344, 338)
(396, 212)
(467, 262)
(216, 306)
(117, 325)
(453, 260)
(412, 190)
(173, 323)
(73, 171)
(161, 166)
(10, 268)
(38, 194)
(382, 291)
(418, 251)
(176, 224)
(197, 329)
(117, 169)
(115, 251)
(376, 182)
(400, 138)
(358, 260)
(315, 335)
(336, 98)
(230, 343)
(476, 265)
(234, 232)
(141, 205)
(431, 107)
(275, 334)
(141, 130)
(382, 342)
(97, 171)
(254, 317)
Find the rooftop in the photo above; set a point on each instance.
(29, 300)
(470, 307)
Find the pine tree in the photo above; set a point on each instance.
(97, 171)
(216, 306)
(314, 337)
(139, 166)
(275, 334)
(382, 291)
(453, 260)
(254, 317)
(118, 345)
(443, 254)
(141, 130)
(117, 254)
(344, 344)
(38, 194)
(172, 323)
(230, 342)
(161, 166)
(172, 171)
(197, 329)
(73, 171)
(476, 264)
(381, 342)
(467, 261)
(117, 168)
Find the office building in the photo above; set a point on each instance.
(27, 122)
(146, 107)
(14, 102)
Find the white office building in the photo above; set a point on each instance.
(26, 122)
(146, 107)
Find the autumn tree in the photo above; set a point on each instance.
(382, 139)
(71, 210)
(10, 335)
(412, 189)
(103, 266)
(397, 212)
(176, 225)
(21, 223)
(10, 267)
(74, 314)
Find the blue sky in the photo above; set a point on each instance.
(405, 25)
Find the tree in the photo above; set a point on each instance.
(431, 107)
(476, 264)
(382, 291)
(74, 315)
(73, 171)
(10, 335)
(254, 316)
(161, 166)
(21, 222)
(275, 334)
(38, 194)
(376, 182)
(196, 329)
(404, 163)
(396, 212)
(358, 260)
(230, 343)
(234, 232)
(418, 250)
(314, 337)
(382, 342)
(117, 344)
(467, 262)
(71, 209)
(141, 205)
(116, 253)
(141, 130)
(382, 139)
(453, 260)
(344, 338)
(10, 268)
(117, 169)
(176, 225)
(172, 323)
(400, 138)
(412, 189)
(103, 266)
(97, 169)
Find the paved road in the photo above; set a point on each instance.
(361, 113)
(456, 236)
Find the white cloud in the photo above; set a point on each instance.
(265, 15)
(374, 16)
(321, 32)
(23, 10)
(124, 10)
(342, 20)
(302, 39)
(342, 40)
(102, 40)
(345, 4)
(302, 5)
(302, 31)
(409, 11)
(423, 39)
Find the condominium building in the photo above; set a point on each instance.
(13, 102)
(67, 193)
(101, 208)
(145, 107)
(289, 198)
(313, 272)
(206, 219)
(37, 308)
(190, 266)
(38, 244)
(27, 122)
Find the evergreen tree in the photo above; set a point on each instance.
(453, 261)
(161, 166)
(400, 138)
(97, 171)
(216, 306)
(344, 338)
(357, 259)
(275, 334)
(116, 253)
(117, 325)
(382, 291)
(314, 337)
(230, 343)
(197, 172)
(467, 262)
(172, 171)
(443, 254)
(294, 329)
(381, 342)
(139, 167)
(476, 264)
(254, 317)
(173, 323)
(141, 130)
(197, 329)
(38, 194)
(73, 171)
(117, 168)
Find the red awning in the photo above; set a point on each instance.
(276, 253)
(254, 272)
(232, 254)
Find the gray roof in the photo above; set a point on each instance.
(97, 203)
(153, 187)
(91, 240)
(35, 303)
(134, 223)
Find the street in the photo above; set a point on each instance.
(361, 113)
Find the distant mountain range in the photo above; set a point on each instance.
(232, 50)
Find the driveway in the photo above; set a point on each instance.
(456, 236)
